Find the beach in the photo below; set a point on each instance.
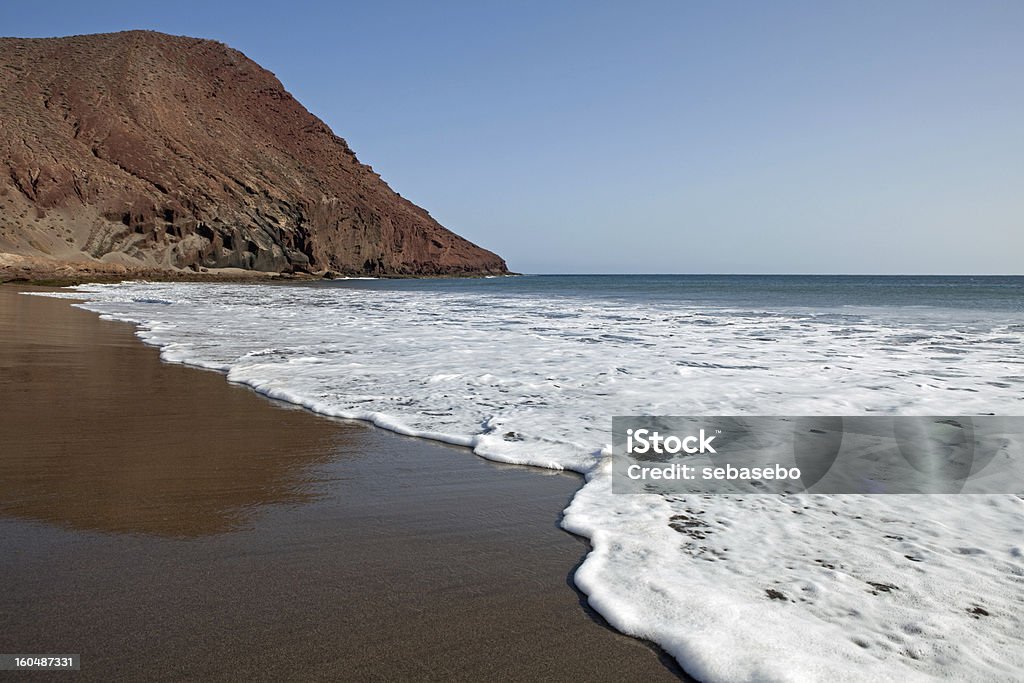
(166, 524)
(177, 512)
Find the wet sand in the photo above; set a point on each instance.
(167, 525)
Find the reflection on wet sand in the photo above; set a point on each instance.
(78, 402)
(245, 541)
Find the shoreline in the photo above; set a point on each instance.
(308, 461)
(19, 270)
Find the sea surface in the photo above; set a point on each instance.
(531, 369)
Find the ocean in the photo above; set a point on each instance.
(531, 369)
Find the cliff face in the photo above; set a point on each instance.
(147, 149)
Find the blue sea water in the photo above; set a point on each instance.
(776, 292)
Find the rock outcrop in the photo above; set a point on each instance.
(148, 150)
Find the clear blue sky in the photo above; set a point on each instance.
(849, 137)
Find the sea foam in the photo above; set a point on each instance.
(758, 588)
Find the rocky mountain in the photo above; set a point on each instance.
(156, 151)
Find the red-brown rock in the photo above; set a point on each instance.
(161, 151)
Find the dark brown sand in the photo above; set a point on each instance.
(167, 525)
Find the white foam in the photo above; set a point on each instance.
(533, 381)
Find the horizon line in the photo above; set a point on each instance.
(712, 274)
